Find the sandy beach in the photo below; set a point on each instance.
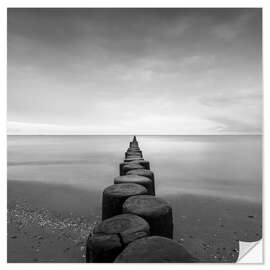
(211, 227)
(50, 223)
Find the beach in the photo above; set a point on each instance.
(54, 194)
(48, 223)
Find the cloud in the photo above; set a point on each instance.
(232, 28)
(236, 97)
(140, 70)
(234, 124)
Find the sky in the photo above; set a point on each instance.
(134, 71)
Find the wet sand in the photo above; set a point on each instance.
(50, 223)
(211, 227)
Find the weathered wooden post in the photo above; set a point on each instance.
(133, 154)
(132, 166)
(132, 159)
(157, 212)
(128, 155)
(114, 196)
(134, 149)
(141, 180)
(155, 249)
(142, 172)
(112, 235)
(134, 145)
(144, 163)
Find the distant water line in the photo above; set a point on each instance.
(222, 166)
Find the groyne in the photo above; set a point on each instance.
(136, 226)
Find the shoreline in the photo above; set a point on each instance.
(50, 223)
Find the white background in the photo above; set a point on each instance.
(128, 3)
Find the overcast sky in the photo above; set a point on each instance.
(134, 71)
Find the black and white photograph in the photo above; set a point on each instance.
(134, 135)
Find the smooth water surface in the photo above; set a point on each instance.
(222, 166)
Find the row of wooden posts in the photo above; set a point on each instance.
(136, 225)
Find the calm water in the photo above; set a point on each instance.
(223, 166)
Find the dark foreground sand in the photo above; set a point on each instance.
(210, 228)
(50, 223)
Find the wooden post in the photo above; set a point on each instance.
(134, 145)
(133, 154)
(112, 235)
(155, 249)
(157, 212)
(144, 163)
(134, 149)
(115, 195)
(130, 167)
(132, 159)
(142, 172)
(141, 180)
(127, 155)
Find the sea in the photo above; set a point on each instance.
(227, 166)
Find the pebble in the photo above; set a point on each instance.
(66, 249)
(69, 228)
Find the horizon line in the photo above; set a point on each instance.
(30, 128)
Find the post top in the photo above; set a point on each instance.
(124, 189)
(154, 249)
(146, 205)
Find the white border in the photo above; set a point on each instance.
(133, 3)
(127, 3)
